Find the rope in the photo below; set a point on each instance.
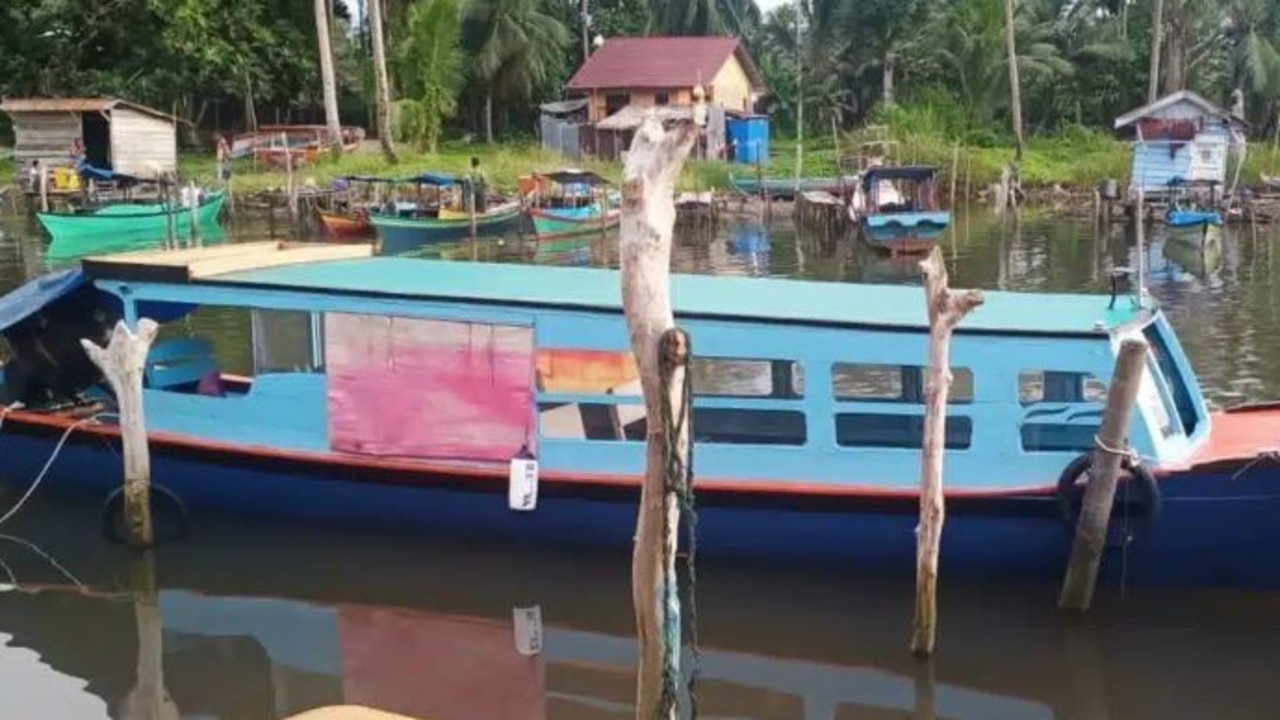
(1130, 453)
(44, 471)
(674, 348)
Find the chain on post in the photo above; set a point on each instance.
(674, 351)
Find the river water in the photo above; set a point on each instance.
(249, 622)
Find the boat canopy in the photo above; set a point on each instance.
(427, 178)
(903, 172)
(38, 294)
(575, 177)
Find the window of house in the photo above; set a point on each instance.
(661, 98)
(613, 102)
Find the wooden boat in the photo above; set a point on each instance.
(569, 203)
(344, 225)
(1193, 226)
(406, 389)
(896, 209)
(123, 221)
(405, 233)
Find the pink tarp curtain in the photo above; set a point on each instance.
(437, 667)
(408, 387)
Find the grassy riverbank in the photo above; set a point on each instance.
(1078, 159)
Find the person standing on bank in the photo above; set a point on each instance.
(478, 183)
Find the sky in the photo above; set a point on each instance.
(767, 5)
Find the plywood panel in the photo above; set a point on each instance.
(416, 388)
(142, 144)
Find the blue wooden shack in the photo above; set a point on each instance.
(1181, 137)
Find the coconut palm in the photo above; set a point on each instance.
(517, 50)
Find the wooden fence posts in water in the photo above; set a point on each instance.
(1110, 451)
(648, 218)
(122, 363)
(946, 309)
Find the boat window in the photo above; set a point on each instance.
(604, 372)
(894, 383)
(886, 430)
(287, 341)
(1062, 410)
(628, 421)
(1183, 402)
(732, 377)
(1036, 386)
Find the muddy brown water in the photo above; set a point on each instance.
(257, 622)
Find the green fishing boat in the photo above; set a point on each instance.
(122, 222)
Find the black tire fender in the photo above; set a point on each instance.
(169, 516)
(1140, 490)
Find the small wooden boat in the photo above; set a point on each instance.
(569, 203)
(411, 230)
(345, 225)
(411, 387)
(123, 221)
(896, 209)
(1193, 226)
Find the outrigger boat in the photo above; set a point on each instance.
(896, 208)
(404, 392)
(569, 203)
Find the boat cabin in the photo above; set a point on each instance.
(327, 350)
(900, 189)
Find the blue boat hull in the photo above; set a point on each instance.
(904, 232)
(1214, 530)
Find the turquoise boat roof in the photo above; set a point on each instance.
(766, 299)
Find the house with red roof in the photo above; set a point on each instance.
(649, 71)
(625, 77)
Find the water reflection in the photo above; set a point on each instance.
(248, 623)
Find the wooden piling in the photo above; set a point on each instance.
(122, 363)
(149, 699)
(648, 218)
(1110, 449)
(946, 309)
(44, 188)
(194, 197)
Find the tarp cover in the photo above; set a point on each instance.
(38, 294)
(409, 387)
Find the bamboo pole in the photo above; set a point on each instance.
(648, 218)
(946, 309)
(1110, 449)
(122, 362)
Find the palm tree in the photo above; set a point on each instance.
(517, 49)
(703, 17)
(1015, 88)
(382, 93)
(429, 65)
(332, 123)
(1157, 41)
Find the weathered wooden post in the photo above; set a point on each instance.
(193, 196)
(44, 188)
(661, 351)
(149, 699)
(122, 363)
(946, 309)
(1110, 450)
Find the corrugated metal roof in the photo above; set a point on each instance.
(33, 105)
(660, 62)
